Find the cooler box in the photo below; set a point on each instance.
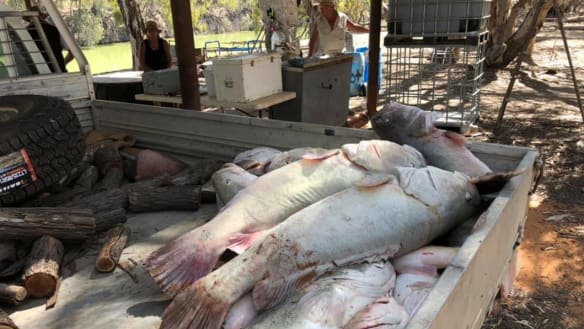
(246, 78)
(209, 77)
(161, 82)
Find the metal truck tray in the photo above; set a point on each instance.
(88, 299)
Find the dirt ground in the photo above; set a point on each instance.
(543, 113)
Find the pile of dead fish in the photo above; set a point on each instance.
(321, 234)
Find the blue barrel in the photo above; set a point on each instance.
(364, 51)
(357, 74)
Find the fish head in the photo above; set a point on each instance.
(398, 122)
(255, 160)
(382, 156)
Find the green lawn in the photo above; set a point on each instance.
(115, 57)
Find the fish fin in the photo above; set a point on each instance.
(456, 138)
(493, 182)
(195, 307)
(320, 156)
(374, 179)
(240, 242)
(181, 262)
(268, 293)
(325, 306)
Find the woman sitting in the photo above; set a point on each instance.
(154, 50)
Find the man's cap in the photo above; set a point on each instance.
(151, 25)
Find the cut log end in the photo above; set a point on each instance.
(105, 265)
(40, 285)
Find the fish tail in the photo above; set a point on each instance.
(240, 242)
(195, 308)
(181, 262)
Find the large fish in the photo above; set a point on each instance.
(332, 300)
(255, 160)
(384, 313)
(418, 273)
(385, 216)
(229, 180)
(293, 155)
(413, 126)
(268, 201)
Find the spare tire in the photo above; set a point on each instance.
(40, 142)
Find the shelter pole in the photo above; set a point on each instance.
(373, 83)
(185, 54)
(560, 16)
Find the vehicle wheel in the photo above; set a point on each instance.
(40, 142)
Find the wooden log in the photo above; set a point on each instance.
(59, 199)
(12, 294)
(102, 201)
(63, 223)
(149, 183)
(41, 272)
(106, 159)
(111, 251)
(105, 220)
(165, 198)
(13, 269)
(88, 178)
(6, 322)
(111, 180)
(7, 253)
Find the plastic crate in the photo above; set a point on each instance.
(434, 17)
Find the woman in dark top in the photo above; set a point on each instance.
(154, 51)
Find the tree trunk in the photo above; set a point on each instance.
(12, 294)
(6, 322)
(527, 31)
(112, 249)
(64, 223)
(42, 269)
(504, 44)
(135, 26)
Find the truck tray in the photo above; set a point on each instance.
(88, 299)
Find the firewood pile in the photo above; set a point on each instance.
(90, 204)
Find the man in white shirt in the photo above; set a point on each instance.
(328, 37)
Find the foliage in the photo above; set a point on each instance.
(358, 11)
(86, 26)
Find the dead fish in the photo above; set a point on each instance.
(255, 160)
(412, 289)
(384, 313)
(293, 155)
(384, 216)
(413, 126)
(271, 199)
(428, 260)
(229, 180)
(332, 300)
(417, 274)
(241, 314)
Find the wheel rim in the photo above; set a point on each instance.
(7, 113)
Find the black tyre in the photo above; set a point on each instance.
(40, 142)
